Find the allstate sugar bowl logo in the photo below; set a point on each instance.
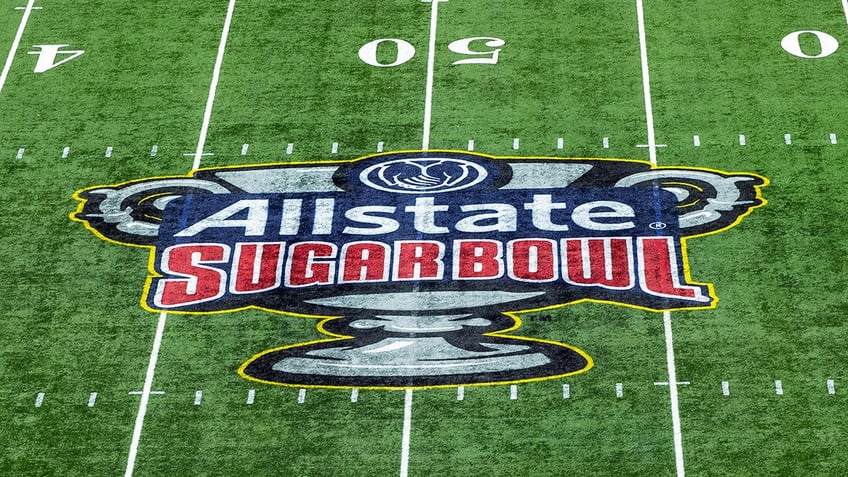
(416, 262)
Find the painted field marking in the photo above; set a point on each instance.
(677, 429)
(679, 383)
(66, 152)
(513, 392)
(515, 143)
(16, 42)
(696, 140)
(301, 396)
(460, 393)
(606, 143)
(23, 8)
(335, 148)
(244, 149)
(198, 397)
(154, 150)
(380, 146)
(92, 398)
(354, 395)
(566, 391)
(778, 387)
(251, 396)
(20, 154)
(205, 154)
(407, 431)
(471, 144)
(725, 388)
(290, 148)
(832, 138)
(649, 146)
(109, 151)
(39, 399)
(431, 61)
(145, 394)
(831, 387)
(160, 327)
(787, 138)
(845, 8)
(742, 140)
(213, 87)
(560, 143)
(619, 390)
(138, 393)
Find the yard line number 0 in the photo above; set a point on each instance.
(404, 51)
(792, 44)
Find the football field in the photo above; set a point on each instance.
(423, 238)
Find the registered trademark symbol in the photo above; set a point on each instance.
(657, 225)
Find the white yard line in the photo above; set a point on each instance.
(675, 407)
(669, 338)
(17, 41)
(646, 83)
(145, 394)
(160, 328)
(431, 61)
(845, 9)
(213, 87)
(407, 430)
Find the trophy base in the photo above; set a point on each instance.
(415, 362)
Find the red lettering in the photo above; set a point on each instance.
(477, 259)
(658, 271)
(532, 260)
(419, 260)
(604, 262)
(364, 262)
(200, 283)
(256, 267)
(303, 269)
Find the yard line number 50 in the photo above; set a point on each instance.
(404, 51)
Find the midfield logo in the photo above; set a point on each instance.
(412, 259)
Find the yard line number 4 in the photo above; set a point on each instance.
(378, 52)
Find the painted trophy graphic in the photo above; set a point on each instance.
(417, 261)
